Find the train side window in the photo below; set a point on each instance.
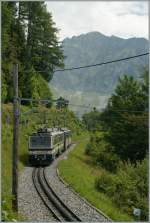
(58, 139)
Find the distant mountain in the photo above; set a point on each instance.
(93, 48)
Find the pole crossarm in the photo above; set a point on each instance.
(37, 100)
(41, 100)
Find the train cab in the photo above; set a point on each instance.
(46, 144)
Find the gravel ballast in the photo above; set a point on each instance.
(69, 197)
(31, 206)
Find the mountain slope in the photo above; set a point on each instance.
(92, 48)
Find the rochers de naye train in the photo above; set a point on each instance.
(46, 144)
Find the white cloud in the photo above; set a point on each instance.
(124, 19)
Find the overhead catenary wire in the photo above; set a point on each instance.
(78, 105)
(80, 67)
(125, 110)
(102, 63)
(103, 109)
(46, 101)
(98, 64)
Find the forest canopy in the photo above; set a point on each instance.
(29, 38)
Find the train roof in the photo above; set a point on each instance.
(56, 132)
(65, 130)
(52, 131)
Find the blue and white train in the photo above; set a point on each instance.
(46, 144)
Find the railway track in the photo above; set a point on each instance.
(60, 211)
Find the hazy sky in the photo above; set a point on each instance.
(124, 19)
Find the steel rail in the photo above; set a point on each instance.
(61, 207)
(60, 211)
(42, 196)
(70, 213)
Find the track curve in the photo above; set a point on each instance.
(60, 211)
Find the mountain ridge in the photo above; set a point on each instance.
(93, 48)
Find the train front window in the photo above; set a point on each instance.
(40, 142)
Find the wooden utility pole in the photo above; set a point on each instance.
(15, 140)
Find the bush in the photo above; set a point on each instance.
(101, 153)
(128, 187)
(108, 160)
(88, 149)
(106, 183)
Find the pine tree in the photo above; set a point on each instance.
(8, 45)
(29, 38)
(42, 49)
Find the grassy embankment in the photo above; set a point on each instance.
(79, 173)
(34, 122)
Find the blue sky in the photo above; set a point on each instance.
(121, 18)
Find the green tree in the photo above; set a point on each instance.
(8, 48)
(145, 87)
(92, 120)
(127, 120)
(29, 38)
(40, 88)
(43, 51)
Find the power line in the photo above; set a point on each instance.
(124, 118)
(104, 109)
(134, 111)
(103, 63)
(34, 110)
(76, 105)
(37, 100)
(46, 101)
(82, 106)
